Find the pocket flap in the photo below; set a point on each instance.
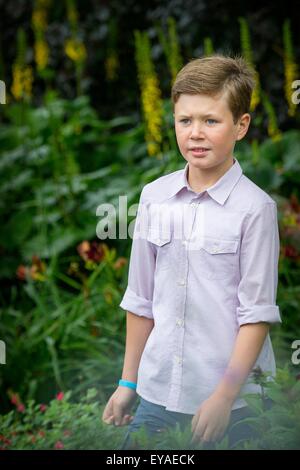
(215, 245)
(158, 237)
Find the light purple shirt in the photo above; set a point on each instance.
(205, 267)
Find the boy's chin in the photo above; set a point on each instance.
(200, 161)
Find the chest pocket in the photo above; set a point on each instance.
(161, 240)
(218, 258)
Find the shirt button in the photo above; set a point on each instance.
(181, 282)
(184, 242)
(179, 322)
(215, 248)
(178, 360)
(194, 204)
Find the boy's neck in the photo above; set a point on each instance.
(200, 180)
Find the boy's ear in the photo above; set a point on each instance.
(243, 126)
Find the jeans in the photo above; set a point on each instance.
(156, 418)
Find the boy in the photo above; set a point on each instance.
(199, 304)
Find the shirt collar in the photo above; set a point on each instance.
(219, 191)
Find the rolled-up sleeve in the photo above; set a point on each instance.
(259, 255)
(139, 292)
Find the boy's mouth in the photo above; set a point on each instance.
(199, 150)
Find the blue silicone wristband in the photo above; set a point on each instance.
(126, 383)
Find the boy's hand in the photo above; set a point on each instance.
(118, 406)
(211, 419)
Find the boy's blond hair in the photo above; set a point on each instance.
(215, 74)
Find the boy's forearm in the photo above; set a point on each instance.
(138, 329)
(247, 347)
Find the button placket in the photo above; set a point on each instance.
(177, 370)
(176, 375)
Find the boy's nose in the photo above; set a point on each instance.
(197, 131)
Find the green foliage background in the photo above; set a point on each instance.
(78, 139)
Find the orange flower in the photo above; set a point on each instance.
(22, 272)
(91, 251)
(83, 249)
(35, 271)
(120, 262)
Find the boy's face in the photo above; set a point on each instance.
(205, 131)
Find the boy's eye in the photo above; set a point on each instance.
(209, 121)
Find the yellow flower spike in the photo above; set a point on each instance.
(44, 3)
(75, 50)
(174, 57)
(22, 82)
(255, 99)
(152, 148)
(22, 75)
(73, 16)
(27, 81)
(273, 130)
(39, 20)
(171, 47)
(277, 136)
(17, 88)
(150, 94)
(248, 54)
(41, 51)
(39, 25)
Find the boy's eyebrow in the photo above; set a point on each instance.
(199, 115)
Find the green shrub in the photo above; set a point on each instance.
(63, 424)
